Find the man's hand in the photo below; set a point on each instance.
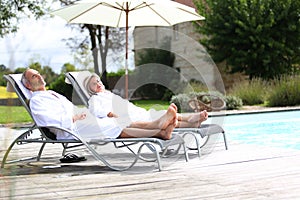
(110, 114)
(79, 117)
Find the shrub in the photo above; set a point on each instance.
(285, 92)
(181, 100)
(197, 86)
(61, 87)
(251, 92)
(233, 102)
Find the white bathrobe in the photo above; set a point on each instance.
(104, 102)
(49, 108)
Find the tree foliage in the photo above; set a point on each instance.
(103, 39)
(258, 37)
(12, 11)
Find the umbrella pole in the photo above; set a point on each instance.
(126, 54)
(126, 67)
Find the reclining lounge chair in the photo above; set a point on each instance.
(159, 148)
(77, 78)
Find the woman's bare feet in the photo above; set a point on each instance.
(198, 117)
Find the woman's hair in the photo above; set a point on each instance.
(86, 83)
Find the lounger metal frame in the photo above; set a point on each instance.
(158, 147)
(205, 131)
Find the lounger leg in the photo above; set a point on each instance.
(196, 140)
(10, 148)
(154, 149)
(65, 146)
(7, 152)
(158, 160)
(40, 152)
(225, 140)
(186, 155)
(102, 159)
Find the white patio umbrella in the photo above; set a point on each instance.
(127, 13)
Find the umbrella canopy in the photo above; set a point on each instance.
(127, 13)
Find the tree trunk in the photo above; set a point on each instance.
(103, 53)
(94, 48)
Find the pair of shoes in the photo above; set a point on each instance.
(70, 158)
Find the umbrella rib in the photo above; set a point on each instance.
(142, 5)
(159, 14)
(121, 8)
(94, 6)
(83, 12)
(126, 10)
(195, 14)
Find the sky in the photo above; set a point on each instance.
(40, 40)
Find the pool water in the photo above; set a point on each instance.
(275, 129)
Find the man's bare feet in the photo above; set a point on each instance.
(174, 106)
(167, 133)
(167, 118)
(198, 117)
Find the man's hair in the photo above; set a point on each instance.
(24, 80)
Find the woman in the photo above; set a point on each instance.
(104, 103)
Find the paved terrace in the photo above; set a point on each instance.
(242, 172)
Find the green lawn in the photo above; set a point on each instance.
(13, 114)
(18, 114)
(155, 104)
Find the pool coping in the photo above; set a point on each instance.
(257, 110)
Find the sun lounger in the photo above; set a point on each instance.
(203, 133)
(159, 148)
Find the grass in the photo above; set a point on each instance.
(155, 104)
(18, 114)
(13, 114)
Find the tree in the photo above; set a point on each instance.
(50, 75)
(67, 67)
(36, 65)
(103, 41)
(258, 37)
(12, 11)
(3, 70)
(59, 84)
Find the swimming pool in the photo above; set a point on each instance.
(275, 129)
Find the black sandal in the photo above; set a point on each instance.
(71, 158)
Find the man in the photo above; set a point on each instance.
(52, 109)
